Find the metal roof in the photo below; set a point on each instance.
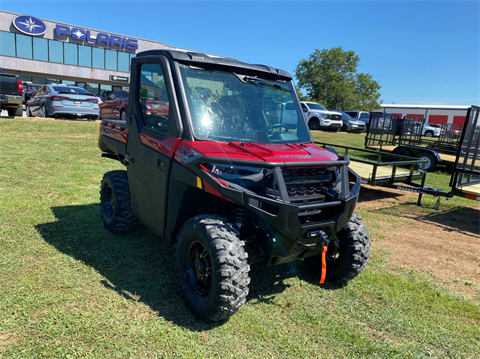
(425, 107)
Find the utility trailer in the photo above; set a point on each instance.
(378, 168)
(465, 180)
(383, 135)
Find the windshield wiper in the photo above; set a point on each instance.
(257, 81)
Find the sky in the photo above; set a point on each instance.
(420, 52)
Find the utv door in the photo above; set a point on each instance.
(151, 139)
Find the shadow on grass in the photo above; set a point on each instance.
(140, 266)
(368, 194)
(459, 219)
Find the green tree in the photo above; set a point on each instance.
(330, 77)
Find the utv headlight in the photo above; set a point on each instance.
(230, 172)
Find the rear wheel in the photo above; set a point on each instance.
(347, 254)
(212, 267)
(115, 203)
(19, 111)
(314, 124)
(431, 164)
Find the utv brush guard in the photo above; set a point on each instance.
(289, 235)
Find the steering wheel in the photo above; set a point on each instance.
(279, 126)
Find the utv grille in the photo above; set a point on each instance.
(304, 186)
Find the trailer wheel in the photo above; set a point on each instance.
(347, 254)
(402, 152)
(431, 164)
(212, 267)
(314, 124)
(115, 203)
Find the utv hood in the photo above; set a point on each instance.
(190, 150)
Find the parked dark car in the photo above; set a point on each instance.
(63, 101)
(351, 125)
(11, 89)
(115, 106)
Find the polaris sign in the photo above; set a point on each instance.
(29, 25)
(101, 38)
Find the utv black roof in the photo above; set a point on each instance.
(202, 58)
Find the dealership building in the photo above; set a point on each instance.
(49, 52)
(439, 114)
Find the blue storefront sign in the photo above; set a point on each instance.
(101, 38)
(29, 25)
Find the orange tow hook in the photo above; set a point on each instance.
(324, 265)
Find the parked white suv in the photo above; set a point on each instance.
(318, 117)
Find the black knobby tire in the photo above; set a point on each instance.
(347, 255)
(115, 203)
(314, 124)
(431, 164)
(212, 267)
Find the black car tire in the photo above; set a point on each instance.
(347, 254)
(344, 128)
(19, 111)
(115, 203)
(212, 267)
(429, 134)
(314, 124)
(431, 164)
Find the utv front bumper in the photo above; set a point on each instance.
(289, 235)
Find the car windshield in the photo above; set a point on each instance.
(232, 107)
(68, 89)
(315, 106)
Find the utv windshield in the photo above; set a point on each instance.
(234, 107)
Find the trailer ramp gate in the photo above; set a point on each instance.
(465, 180)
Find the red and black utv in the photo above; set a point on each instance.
(228, 176)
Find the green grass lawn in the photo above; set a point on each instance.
(69, 288)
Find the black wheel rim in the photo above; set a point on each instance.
(108, 203)
(199, 268)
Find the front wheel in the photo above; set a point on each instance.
(429, 134)
(212, 267)
(314, 124)
(347, 255)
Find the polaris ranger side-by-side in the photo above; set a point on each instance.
(210, 168)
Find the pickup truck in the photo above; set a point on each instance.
(11, 91)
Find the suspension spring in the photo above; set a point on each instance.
(240, 217)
